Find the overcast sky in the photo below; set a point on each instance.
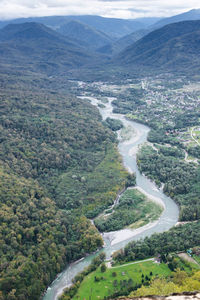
(108, 8)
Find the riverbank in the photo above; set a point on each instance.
(134, 210)
(115, 237)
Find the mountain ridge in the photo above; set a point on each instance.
(91, 37)
(190, 15)
(165, 46)
(114, 27)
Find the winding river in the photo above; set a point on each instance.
(117, 240)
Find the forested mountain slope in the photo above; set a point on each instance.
(40, 49)
(174, 47)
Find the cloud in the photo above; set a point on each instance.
(110, 8)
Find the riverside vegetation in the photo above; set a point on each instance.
(181, 179)
(133, 208)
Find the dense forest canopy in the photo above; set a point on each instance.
(181, 179)
(53, 151)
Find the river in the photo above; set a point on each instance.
(117, 240)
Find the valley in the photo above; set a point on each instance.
(99, 156)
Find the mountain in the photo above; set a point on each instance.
(148, 21)
(115, 28)
(175, 46)
(122, 43)
(40, 48)
(193, 14)
(91, 37)
(130, 39)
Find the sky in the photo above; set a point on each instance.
(126, 9)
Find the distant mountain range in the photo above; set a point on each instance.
(75, 44)
(106, 36)
(175, 46)
(115, 28)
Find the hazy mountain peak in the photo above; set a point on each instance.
(190, 15)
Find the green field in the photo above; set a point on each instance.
(127, 275)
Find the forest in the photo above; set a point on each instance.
(181, 179)
(53, 152)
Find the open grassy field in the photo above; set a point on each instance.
(99, 284)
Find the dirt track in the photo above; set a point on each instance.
(187, 258)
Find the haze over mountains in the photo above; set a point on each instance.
(92, 41)
(115, 28)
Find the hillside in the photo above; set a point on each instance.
(40, 48)
(129, 39)
(175, 46)
(92, 38)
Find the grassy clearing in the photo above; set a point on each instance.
(132, 274)
(125, 278)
